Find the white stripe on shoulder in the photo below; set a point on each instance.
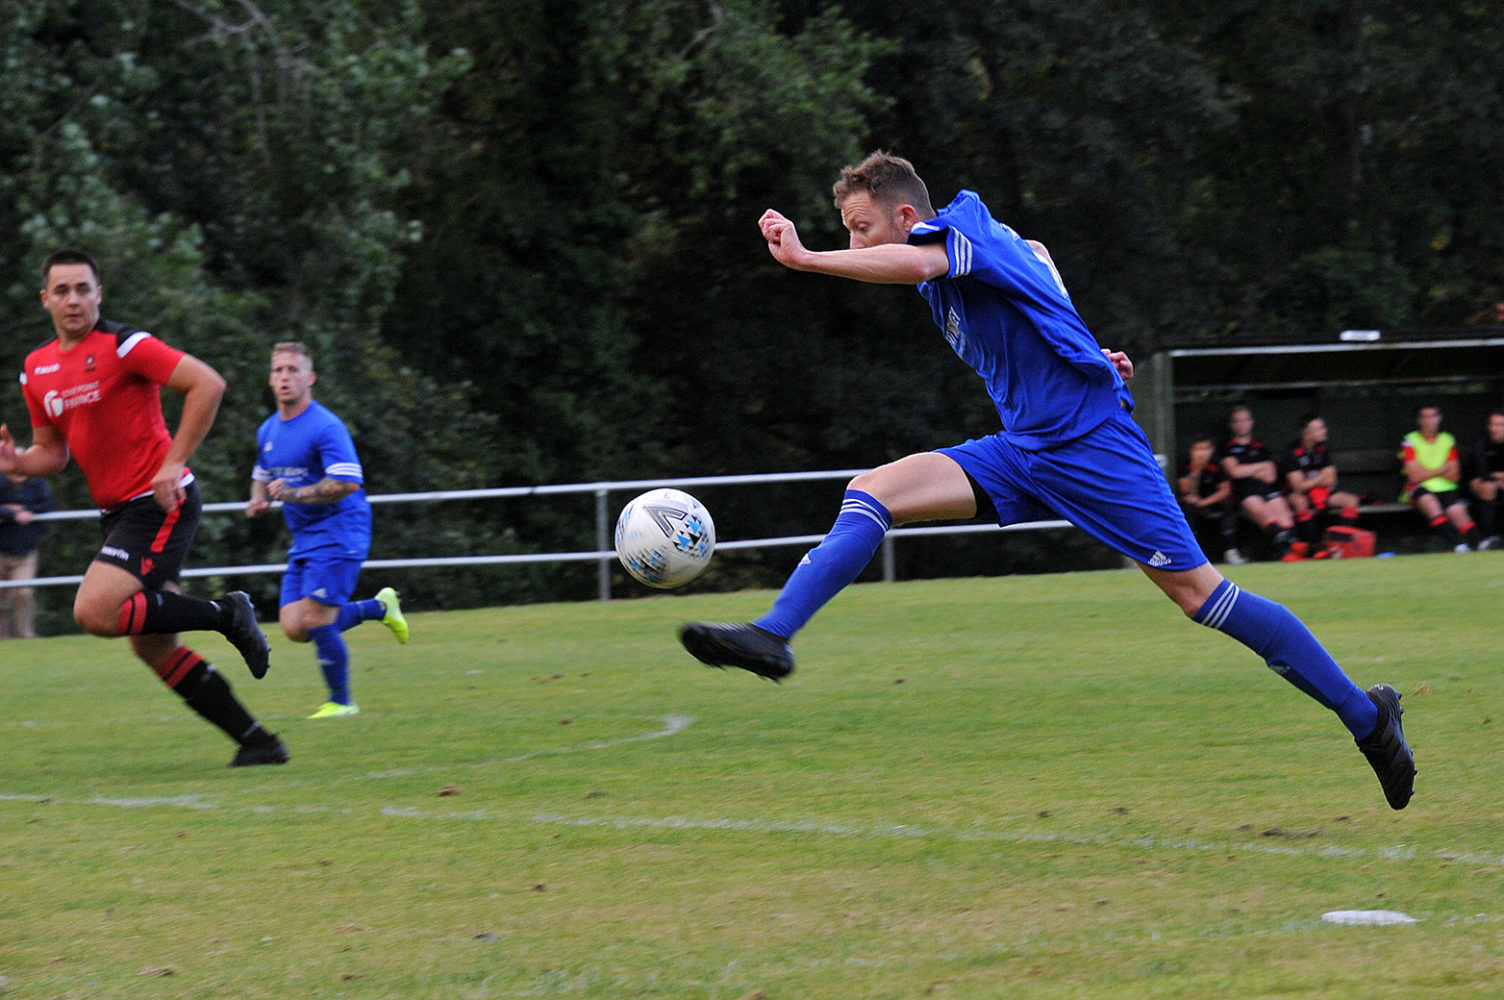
(1049, 262)
(961, 253)
(129, 344)
(351, 469)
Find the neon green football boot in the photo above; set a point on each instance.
(334, 710)
(393, 618)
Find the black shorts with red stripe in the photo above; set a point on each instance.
(149, 543)
(1248, 486)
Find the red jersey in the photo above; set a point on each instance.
(104, 396)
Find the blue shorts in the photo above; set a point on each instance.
(1106, 482)
(328, 580)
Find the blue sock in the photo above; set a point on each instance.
(353, 613)
(826, 569)
(1291, 651)
(334, 661)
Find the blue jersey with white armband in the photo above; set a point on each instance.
(1007, 314)
(302, 451)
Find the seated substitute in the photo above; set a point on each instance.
(1487, 478)
(1206, 494)
(1311, 486)
(1255, 482)
(1432, 470)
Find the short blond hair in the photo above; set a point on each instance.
(293, 347)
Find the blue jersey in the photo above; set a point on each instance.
(310, 447)
(1006, 313)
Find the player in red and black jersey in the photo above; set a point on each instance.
(1255, 482)
(93, 391)
(1206, 495)
(1311, 483)
(1487, 480)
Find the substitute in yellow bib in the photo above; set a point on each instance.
(1432, 471)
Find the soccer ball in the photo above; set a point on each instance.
(664, 538)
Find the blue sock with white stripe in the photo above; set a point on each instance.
(352, 613)
(1270, 630)
(334, 661)
(826, 569)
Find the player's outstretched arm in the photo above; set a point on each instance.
(884, 264)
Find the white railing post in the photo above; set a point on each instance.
(603, 542)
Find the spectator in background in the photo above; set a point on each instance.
(1432, 471)
(1311, 485)
(21, 499)
(1255, 482)
(1206, 494)
(1488, 476)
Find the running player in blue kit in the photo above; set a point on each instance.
(1068, 448)
(306, 459)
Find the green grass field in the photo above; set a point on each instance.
(1041, 787)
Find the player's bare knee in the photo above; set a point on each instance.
(294, 628)
(1189, 589)
(91, 624)
(1186, 599)
(96, 620)
(298, 621)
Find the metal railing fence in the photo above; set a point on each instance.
(603, 554)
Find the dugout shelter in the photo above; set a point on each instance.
(1365, 384)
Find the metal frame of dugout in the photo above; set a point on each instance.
(1365, 384)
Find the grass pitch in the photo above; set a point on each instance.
(1041, 787)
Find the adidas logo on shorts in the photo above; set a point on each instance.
(1159, 559)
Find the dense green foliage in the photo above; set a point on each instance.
(520, 235)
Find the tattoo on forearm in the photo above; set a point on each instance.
(326, 490)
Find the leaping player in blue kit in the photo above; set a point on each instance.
(1068, 448)
(306, 459)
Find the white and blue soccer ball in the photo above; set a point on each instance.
(664, 538)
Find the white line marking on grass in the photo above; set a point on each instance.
(673, 725)
(900, 831)
(882, 831)
(1367, 918)
(129, 802)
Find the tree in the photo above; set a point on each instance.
(1359, 183)
(233, 166)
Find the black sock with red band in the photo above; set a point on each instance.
(164, 612)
